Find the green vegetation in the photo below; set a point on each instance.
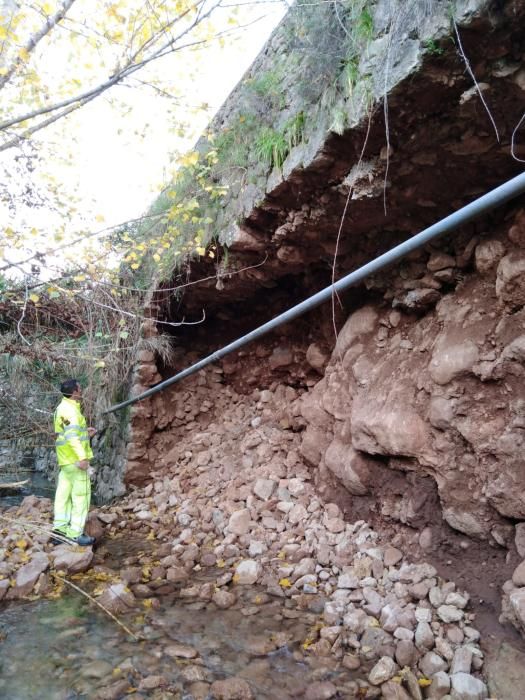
(233, 143)
(339, 120)
(293, 130)
(364, 27)
(271, 147)
(432, 47)
(322, 42)
(269, 85)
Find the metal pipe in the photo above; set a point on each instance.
(494, 198)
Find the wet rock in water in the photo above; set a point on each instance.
(152, 682)
(223, 599)
(383, 670)
(247, 572)
(131, 574)
(199, 690)
(72, 559)
(194, 673)
(467, 687)
(231, 689)
(117, 598)
(320, 690)
(96, 669)
(182, 651)
(114, 691)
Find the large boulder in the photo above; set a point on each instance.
(510, 279)
(388, 427)
(72, 559)
(28, 574)
(353, 469)
(361, 322)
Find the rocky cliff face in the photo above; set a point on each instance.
(416, 410)
(420, 384)
(407, 394)
(405, 398)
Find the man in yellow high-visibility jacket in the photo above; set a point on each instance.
(73, 494)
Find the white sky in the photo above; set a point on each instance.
(117, 172)
(121, 172)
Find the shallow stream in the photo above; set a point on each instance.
(67, 648)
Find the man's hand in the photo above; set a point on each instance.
(83, 464)
(91, 432)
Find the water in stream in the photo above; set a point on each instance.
(64, 649)
(38, 484)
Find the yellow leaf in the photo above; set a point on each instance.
(99, 217)
(135, 266)
(200, 250)
(23, 54)
(424, 682)
(190, 158)
(79, 278)
(236, 578)
(34, 298)
(285, 583)
(147, 602)
(221, 563)
(281, 555)
(156, 257)
(21, 544)
(3, 69)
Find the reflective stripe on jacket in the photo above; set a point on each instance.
(72, 439)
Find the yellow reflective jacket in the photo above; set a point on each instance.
(72, 439)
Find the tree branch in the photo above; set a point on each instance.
(49, 24)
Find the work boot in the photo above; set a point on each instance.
(55, 540)
(83, 540)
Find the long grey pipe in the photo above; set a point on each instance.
(494, 198)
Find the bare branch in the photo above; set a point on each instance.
(81, 99)
(22, 316)
(48, 25)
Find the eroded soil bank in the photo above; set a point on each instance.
(250, 576)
